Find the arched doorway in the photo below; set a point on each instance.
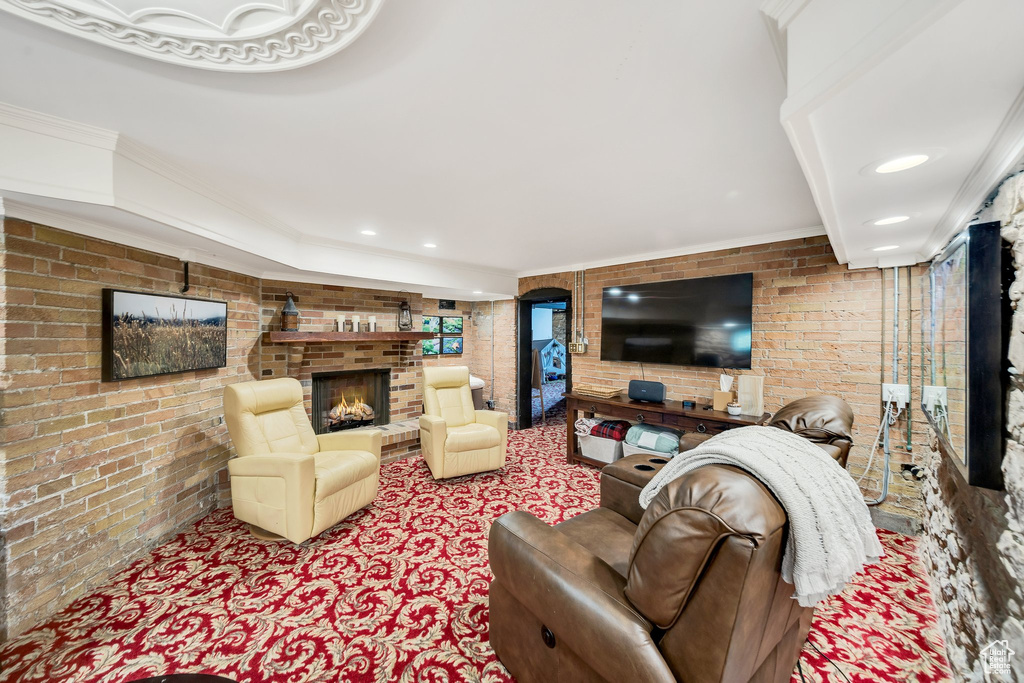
(546, 297)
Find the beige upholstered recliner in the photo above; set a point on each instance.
(457, 439)
(288, 480)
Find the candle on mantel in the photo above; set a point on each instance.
(373, 323)
(341, 322)
(355, 323)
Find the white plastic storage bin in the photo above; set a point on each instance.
(599, 448)
(628, 449)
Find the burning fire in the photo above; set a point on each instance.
(357, 410)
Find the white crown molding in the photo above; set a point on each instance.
(145, 157)
(1004, 152)
(273, 42)
(783, 12)
(53, 126)
(703, 247)
(64, 221)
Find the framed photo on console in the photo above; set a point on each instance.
(147, 334)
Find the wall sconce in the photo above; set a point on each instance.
(289, 315)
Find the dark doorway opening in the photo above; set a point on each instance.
(548, 313)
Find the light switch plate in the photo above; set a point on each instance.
(577, 347)
(932, 396)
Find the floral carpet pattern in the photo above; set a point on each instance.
(398, 592)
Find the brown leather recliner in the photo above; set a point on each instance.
(691, 591)
(824, 420)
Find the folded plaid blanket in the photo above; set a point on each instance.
(611, 429)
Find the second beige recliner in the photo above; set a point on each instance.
(457, 439)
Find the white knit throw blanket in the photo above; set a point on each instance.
(831, 536)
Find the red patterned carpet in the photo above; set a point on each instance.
(399, 593)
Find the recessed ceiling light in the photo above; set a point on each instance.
(369, 233)
(888, 247)
(478, 291)
(901, 163)
(891, 220)
(430, 245)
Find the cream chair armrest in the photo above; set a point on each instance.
(494, 418)
(368, 440)
(273, 465)
(433, 423)
(297, 470)
(433, 434)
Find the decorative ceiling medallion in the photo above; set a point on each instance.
(221, 35)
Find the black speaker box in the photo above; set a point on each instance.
(640, 390)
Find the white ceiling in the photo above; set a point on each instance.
(519, 137)
(878, 79)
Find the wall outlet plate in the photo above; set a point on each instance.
(900, 394)
(932, 396)
(577, 347)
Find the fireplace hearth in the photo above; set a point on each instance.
(347, 399)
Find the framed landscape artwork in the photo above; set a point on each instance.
(451, 345)
(451, 325)
(431, 323)
(156, 334)
(431, 347)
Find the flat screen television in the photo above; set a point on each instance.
(703, 322)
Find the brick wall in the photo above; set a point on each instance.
(817, 329)
(318, 307)
(98, 471)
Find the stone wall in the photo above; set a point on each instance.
(96, 472)
(974, 538)
(818, 328)
(558, 325)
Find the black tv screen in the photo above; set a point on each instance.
(702, 322)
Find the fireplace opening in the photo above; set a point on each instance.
(347, 399)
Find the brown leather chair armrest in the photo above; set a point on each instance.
(577, 596)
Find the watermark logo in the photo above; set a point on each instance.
(996, 656)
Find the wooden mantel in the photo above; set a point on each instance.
(321, 337)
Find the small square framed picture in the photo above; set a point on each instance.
(431, 323)
(431, 347)
(451, 345)
(451, 325)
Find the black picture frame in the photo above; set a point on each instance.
(145, 354)
(431, 347)
(456, 327)
(451, 345)
(988, 319)
(431, 323)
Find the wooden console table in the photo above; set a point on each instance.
(668, 414)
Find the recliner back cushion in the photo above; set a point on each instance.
(268, 417)
(683, 527)
(822, 419)
(446, 394)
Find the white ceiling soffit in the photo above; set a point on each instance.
(220, 35)
(58, 172)
(873, 80)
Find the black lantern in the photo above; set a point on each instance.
(289, 315)
(404, 317)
